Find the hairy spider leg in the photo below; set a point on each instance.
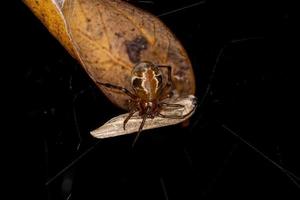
(140, 129)
(173, 105)
(124, 90)
(127, 118)
(169, 86)
(169, 68)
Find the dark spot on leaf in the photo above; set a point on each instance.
(134, 48)
(119, 35)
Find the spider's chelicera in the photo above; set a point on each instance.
(149, 91)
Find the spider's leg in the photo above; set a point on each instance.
(127, 118)
(140, 129)
(171, 105)
(176, 116)
(170, 82)
(173, 116)
(118, 88)
(169, 87)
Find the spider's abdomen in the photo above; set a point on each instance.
(146, 81)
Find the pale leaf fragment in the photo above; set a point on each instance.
(114, 127)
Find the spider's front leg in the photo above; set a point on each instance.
(127, 118)
(131, 103)
(169, 68)
(133, 108)
(169, 87)
(122, 89)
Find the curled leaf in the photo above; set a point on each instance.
(50, 14)
(108, 37)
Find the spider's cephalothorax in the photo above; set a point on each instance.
(149, 88)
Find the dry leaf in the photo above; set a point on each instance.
(108, 37)
(50, 14)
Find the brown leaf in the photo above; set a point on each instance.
(48, 11)
(109, 37)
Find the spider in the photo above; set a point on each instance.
(149, 91)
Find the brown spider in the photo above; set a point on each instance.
(148, 92)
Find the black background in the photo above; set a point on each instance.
(52, 103)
